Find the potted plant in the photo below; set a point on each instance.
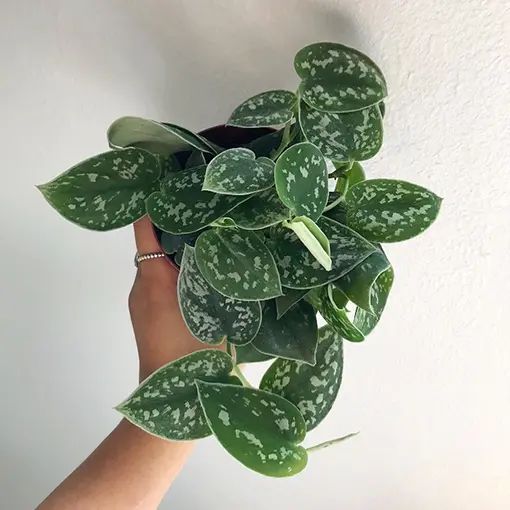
(271, 221)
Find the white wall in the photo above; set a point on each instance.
(429, 391)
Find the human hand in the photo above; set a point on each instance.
(160, 332)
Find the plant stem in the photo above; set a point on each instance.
(331, 442)
(237, 371)
(334, 203)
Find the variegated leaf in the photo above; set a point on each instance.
(166, 403)
(266, 145)
(105, 192)
(299, 269)
(336, 78)
(293, 336)
(158, 137)
(181, 207)
(196, 158)
(210, 316)
(260, 429)
(262, 210)
(357, 284)
(301, 179)
(237, 172)
(313, 389)
(249, 354)
(352, 136)
(237, 264)
(290, 297)
(387, 210)
(270, 108)
(172, 243)
(366, 321)
(313, 238)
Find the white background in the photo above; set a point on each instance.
(429, 390)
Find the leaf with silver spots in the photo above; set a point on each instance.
(290, 297)
(105, 192)
(166, 404)
(260, 429)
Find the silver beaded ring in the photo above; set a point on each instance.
(148, 256)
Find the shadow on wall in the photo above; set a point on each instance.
(192, 62)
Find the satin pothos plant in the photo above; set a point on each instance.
(267, 236)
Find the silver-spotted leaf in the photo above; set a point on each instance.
(290, 297)
(357, 284)
(387, 210)
(237, 264)
(337, 78)
(210, 316)
(166, 403)
(366, 321)
(181, 207)
(237, 172)
(298, 267)
(313, 389)
(262, 210)
(301, 179)
(293, 336)
(157, 137)
(270, 108)
(105, 192)
(172, 243)
(249, 354)
(260, 429)
(352, 136)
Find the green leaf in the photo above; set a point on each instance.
(171, 243)
(181, 207)
(313, 389)
(379, 292)
(166, 403)
(330, 304)
(237, 172)
(341, 137)
(387, 210)
(105, 192)
(158, 137)
(313, 238)
(301, 179)
(269, 108)
(266, 145)
(337, 78)
(262, 210)
(299, 269)
(237, 264)
(259, 429)
(210, 316)
(293, 336)
(290, 297)
(249, 354)
(357, 284)
(338, 211)
(196, 158)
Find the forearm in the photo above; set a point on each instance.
(130, 469)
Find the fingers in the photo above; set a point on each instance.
(145, 238)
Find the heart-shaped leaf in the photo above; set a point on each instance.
(293, 336)
(249, 354)
(313, 238)
(262, 210)
(387, 210)
(210, 316)
(357, 283)
(366, 321)
(260, 429)
(301, 179)
(237, 264)
(290, 297)
(352, 136)
(337, 78)
(105, 192)
(298, 267)
(157, 137)
(270, 108)
(196, 158)
(166, 403)
(267, 144)
(313, 389)
(238, 172)
(181, 207)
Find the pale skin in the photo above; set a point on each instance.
(130, 469)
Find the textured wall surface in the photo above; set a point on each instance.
(429, 390)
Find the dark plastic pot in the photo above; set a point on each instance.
(227, 137)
